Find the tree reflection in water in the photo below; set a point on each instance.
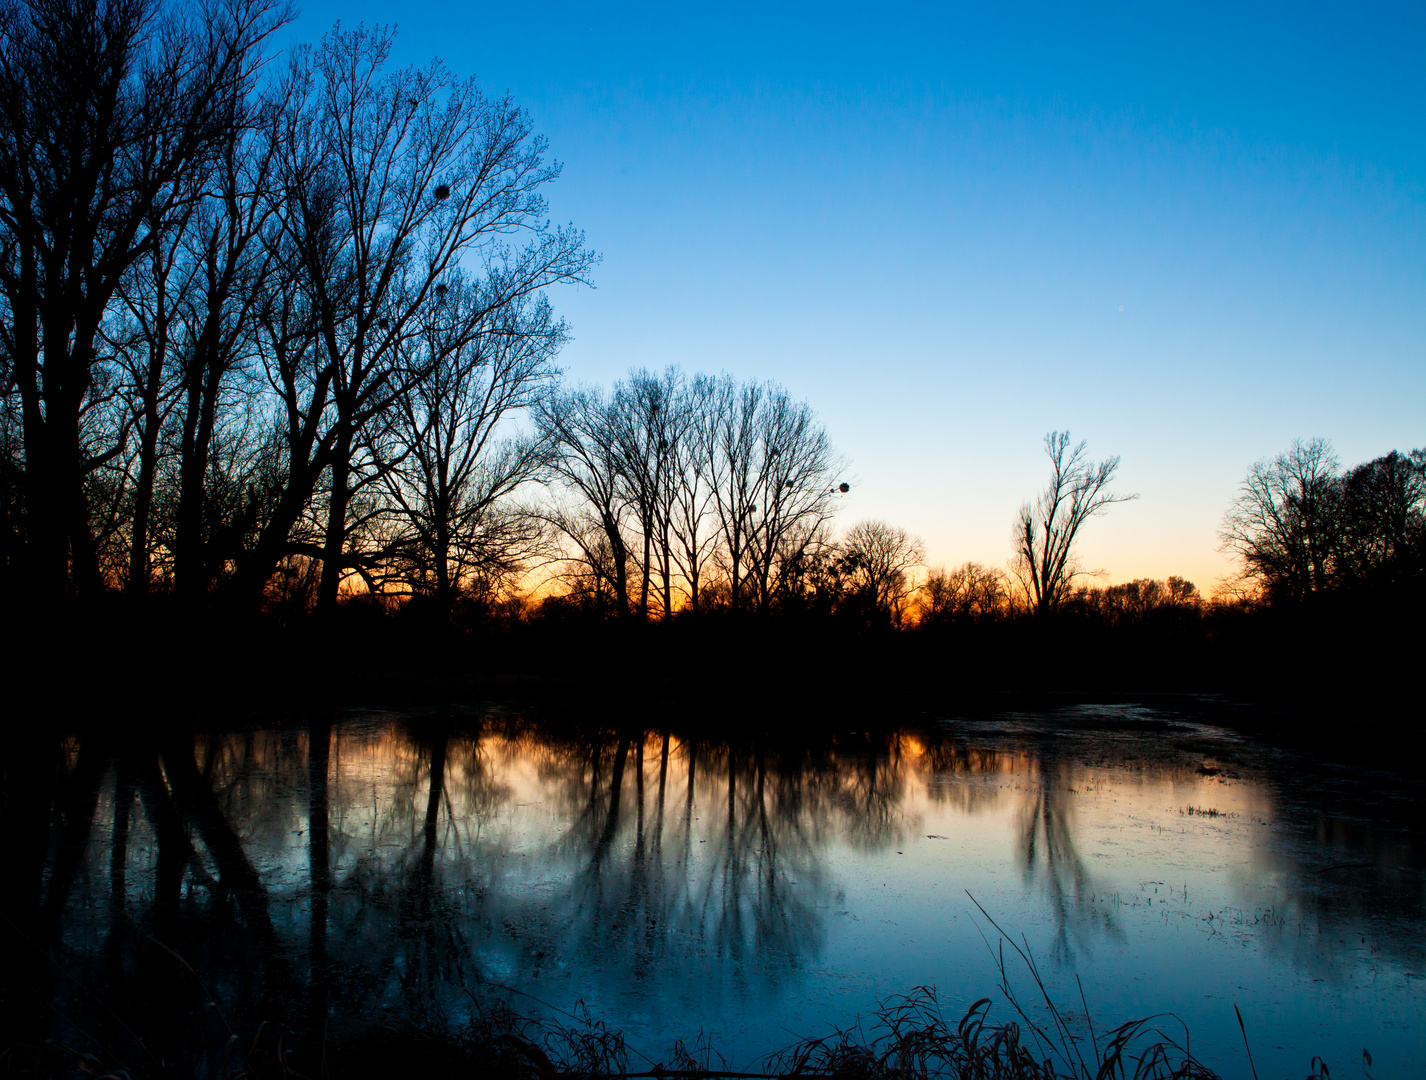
(1045, 847)
(379, 868)
(1048, 855)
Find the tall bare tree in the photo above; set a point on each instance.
(148, 337)
(107, 109)
(596, 518)
(219, 358)
(1046, 530)
(451, 466)
(690, 498)
(794, 490)
(389, 180)
(644, 422)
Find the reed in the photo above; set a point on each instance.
(907, 1036)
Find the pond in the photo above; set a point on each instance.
(755, 890)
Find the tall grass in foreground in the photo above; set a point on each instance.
(905, 1037)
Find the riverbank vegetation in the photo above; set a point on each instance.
(908, 1037)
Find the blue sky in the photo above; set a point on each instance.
(1187, 236)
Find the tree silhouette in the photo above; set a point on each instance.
(1285, 522)
(109, 115)
(1046, 530)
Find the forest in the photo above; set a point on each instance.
(279, 355)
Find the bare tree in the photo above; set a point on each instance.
(730, 444)
(967, 593)
(1285, 522)
(107, 109)
(451, 468)
(671, 478)
(1046, 530)
(1383, 534)
(795, 490)
(691, 496)
(878, 563)
(644, 423)
(388, 181)
(219, 358)
(579, 428)
(773, 474)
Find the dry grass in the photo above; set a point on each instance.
(906, 1037)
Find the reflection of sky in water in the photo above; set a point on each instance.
(765, 893)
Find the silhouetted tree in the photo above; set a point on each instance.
(220, 463)
(388, 181)
(645, 420)
(1134, 601)
(450, 468)
(1285, 522)
(108, 112)
(773, 471)
(1046, 530)
(1383, 522)
(877, 562)
(578, 425)
(691, 496)
(968, 593)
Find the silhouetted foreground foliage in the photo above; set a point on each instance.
(906, 1037)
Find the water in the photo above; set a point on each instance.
(757, 892)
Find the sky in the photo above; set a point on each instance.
(1187, 236)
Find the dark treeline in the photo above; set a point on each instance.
(280, 378)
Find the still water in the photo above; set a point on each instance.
(756, 891)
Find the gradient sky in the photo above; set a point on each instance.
(1188, 237)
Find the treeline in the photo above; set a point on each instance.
(1305, 528)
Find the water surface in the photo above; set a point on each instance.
(378, 866)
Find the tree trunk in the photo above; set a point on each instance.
(139, 567)
(190, 564)
(644, 583)
(334, 545)
(441, 554)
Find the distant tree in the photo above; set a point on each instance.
(1046, 530)
(878, 563)
(1285, 524)
(1137, 600)
(596, 518)
(1383, 522)
(780, 471)
(970, 593)
(691, 497)
(646, 416)
(729, 419)
(669, 478)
